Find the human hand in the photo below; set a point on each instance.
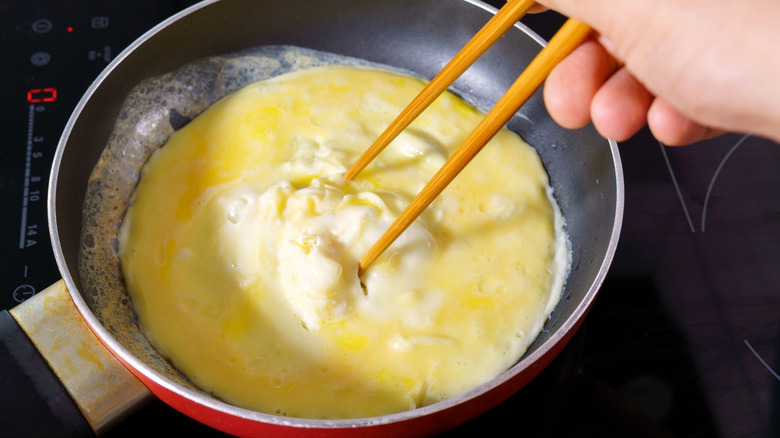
(689, 69)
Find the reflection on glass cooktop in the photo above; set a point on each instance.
(703, 222)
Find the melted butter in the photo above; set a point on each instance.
(240, 249)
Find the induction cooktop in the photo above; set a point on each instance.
(683, 339)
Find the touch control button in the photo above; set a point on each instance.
(41, 25)
(40, 59)
(99, 22)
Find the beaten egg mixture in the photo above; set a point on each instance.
(241, 247)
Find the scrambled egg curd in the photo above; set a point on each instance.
(241, 247)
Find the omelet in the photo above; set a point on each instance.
(240, 249)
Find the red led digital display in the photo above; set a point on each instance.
(41, 95)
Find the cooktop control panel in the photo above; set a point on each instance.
(52, 51)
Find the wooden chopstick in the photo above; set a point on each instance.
(568, 37)
(497, 26)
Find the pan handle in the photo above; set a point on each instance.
(61, 365)
(34, 401)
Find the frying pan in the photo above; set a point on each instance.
(188, 61)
